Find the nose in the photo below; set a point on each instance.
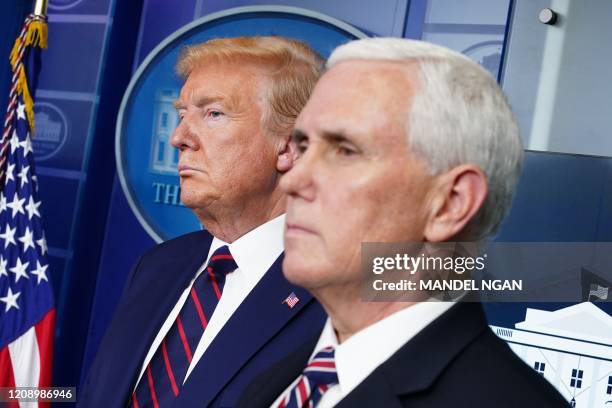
(300, 181)
(184, 137)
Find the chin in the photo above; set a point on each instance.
(188, 202)
(298, 271)
(195, 200)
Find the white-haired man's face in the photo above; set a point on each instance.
(356, 179)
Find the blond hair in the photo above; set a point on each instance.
(292, 67)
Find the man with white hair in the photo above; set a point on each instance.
(401, 141)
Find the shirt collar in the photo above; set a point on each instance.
(365, 350)
(255, 251)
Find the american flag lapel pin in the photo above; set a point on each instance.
(291, 300)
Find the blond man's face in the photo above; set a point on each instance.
(227, 157)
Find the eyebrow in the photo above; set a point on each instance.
(335, 137)
(332, 137)
(199, 101)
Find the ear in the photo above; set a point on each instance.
(458, 196)
(287, 155)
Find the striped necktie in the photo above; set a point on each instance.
(163, 378)
(317, 377)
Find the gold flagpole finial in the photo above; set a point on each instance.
(40, 8)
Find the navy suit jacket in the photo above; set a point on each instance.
(260, 332)
(456, 361)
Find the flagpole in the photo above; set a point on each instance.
(40, 8)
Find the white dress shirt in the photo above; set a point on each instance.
(254, 253)
(358, 356)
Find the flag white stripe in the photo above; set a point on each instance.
(25, 359)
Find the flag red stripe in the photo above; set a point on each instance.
(184, 338)
(6, 369)
(169, 369)
(198, 306)
(135, 400)
(7, 378)
(44, 337)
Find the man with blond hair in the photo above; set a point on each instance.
(203, 313)
(401, 141)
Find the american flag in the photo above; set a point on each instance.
(291, 300)
(27, 312)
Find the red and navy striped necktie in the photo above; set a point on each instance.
(163, 378)
(317, 377)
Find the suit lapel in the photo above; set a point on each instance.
(433, 349)
(415, 366)
(260, 316)
(377, 393)
(147, 306)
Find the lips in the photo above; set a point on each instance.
(297, 228)
(184, 167)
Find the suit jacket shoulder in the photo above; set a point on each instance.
(457, 360)
(171, 254)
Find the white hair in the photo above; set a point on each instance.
(458, 115)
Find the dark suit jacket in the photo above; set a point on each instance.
(456, 361)
(261, 331)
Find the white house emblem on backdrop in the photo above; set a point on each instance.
(51, 130)
(164, 157)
